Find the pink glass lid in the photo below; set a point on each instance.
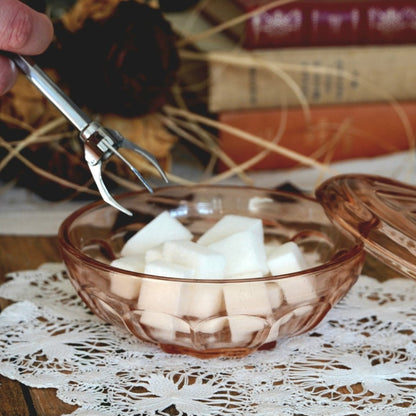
(380, 211)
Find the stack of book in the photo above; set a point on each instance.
(340, 75)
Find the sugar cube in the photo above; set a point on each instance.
(160, 296)
(162, 228)
(160, 302)
(286, 258)
(246, 329)
(298, 289)
(161, 326)
(203, 300)
(162, 267)
(243, 252)
(124, 285)
(231, 224)
(251, 298)
(207, 263)
(153, 253)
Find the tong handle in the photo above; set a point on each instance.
(99, 142)
(42, 81)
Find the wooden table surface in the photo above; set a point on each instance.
(28, 253)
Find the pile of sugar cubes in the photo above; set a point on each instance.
(233, 248)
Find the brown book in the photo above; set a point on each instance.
(316, 22)
(334, 133)
(327, 75)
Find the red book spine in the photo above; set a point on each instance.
(330, 23)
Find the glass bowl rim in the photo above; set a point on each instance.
(357, 248)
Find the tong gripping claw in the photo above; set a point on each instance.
(101, 143)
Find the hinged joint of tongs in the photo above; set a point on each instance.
(99, 142)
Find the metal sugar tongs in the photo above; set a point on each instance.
(99, 142)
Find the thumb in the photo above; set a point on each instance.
(22, 29)
(8, 75)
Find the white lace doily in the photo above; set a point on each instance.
(361, 360)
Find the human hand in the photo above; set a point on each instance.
(23, 31)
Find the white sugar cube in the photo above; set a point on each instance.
(292, 319)
(161, 296)
(244, 253)
(298, 289)
(161, 303)
(245, 303)
(166, 268)
(163, 327)
(251, 298)
(210, 332)
(275, 294)
(203, 300)
(275, 329)
(207, 263)
(127, 286)
(286, 258)
(231, 224)
(162, 228)
(257, 299)
(245, 329)
(154, 253)
(211, 326)
(164, 302)
(132, 263)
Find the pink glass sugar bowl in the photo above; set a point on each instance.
(214, 317)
